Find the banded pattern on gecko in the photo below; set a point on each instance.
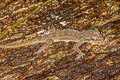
(66, 35)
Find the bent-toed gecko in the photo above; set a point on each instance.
(67, 35)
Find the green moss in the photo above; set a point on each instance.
(55, 55)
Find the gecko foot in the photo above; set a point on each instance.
(76, 48)
(80, 55)
(48, 42)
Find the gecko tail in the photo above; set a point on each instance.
(8, 46)
(32, 42)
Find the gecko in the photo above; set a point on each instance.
(66, 35)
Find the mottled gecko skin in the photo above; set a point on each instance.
(66, 35)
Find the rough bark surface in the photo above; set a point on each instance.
(101, 62)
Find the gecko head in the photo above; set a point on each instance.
(93, 36)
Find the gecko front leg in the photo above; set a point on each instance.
(48, 42)
(76, 48)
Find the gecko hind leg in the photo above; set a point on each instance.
(76, 48)
(48, 42)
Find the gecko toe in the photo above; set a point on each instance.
(79, 56)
